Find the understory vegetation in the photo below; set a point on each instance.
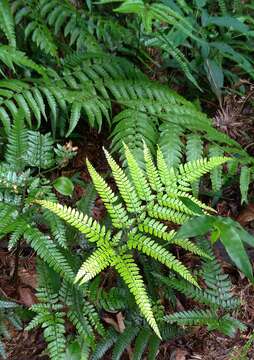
(119, 238)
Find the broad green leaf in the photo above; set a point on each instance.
(215, 76)
(131, 6)
(197, 226)
(232, 242)
(244, 183)
(191, 205)
(227, 21)
(64, 185)
(245, 236)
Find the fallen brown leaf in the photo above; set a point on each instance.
(179, 354)
(28, 278)
(26, 296)
(246, 215)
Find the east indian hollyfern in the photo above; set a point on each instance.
(147, 200)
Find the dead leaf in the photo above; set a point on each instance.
(120, 322)
(179, 354)
(26, 296)
(246, 215)
(111, 321)
(28, 278)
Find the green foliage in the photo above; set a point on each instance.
(216, 295)
(232, 235)
(63, 64)
(8, 316)
(57, 300)
(65, 69)
(201, 29)
(136, 220)
(7, 22)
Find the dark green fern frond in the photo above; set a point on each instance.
(104, 345)
(17, 143)
(123, 341)
(57, 228)
(49, 252)
(7, 23)
(170, 143)
(10, 56)
(141, 342)
(132, 127)
(224, 324)
(40, 150)
(49, 314)
(43, 38)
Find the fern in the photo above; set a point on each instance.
(17, 145)
(117, 250)
(123, 341)
(40, 151)
(7, 315)
(49, 314)
(104, 345)
(7, 23)
(224, 324)
(48, 251)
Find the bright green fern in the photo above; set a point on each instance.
(147, 197)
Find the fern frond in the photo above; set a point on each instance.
(10, 56)
(114, 207)
(97, 262)
(156, 251)
(156, 228)
(193, 170)
(7, 23)
(192, 317)
(43, 38)
(194, 151)
(48, 251)
(57, 228)
(225, 324)
(126, 189)
(17, 143)
(86, 203)
(159, 212)
(152, 173)
(170, 143)
(104, 345)
(40, 151)
(216, 173)
(123, 341)
(138, 177)
(83, 223)
(131, 124)
(129, 271)
(141, 343)
(189, 246)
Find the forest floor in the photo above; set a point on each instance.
(198, 345)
